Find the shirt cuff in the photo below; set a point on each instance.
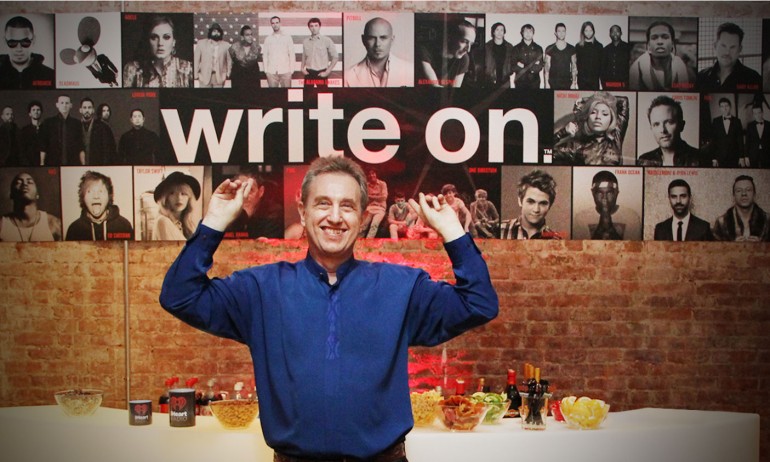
(461, 249)
(205, 237)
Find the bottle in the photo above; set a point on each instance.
(163, 400)
(513, 394)
(460, 388)
(481, 387)
(192, 383)
(208, 397)
(237, 388)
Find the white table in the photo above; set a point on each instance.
(44, 433)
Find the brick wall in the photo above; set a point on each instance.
(639, 324)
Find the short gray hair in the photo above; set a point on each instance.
(336, 164)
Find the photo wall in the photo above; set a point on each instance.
(118, 126)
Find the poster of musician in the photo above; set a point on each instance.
(88, 50)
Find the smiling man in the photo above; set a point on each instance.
(537, 191)
(666, 120)
(683, 225)
(380, 67)
(331, 326)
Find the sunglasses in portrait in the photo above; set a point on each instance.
(25, 43)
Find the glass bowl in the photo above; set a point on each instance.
(458, 413)
(424, 407)
(584, 413)
(79, 402)
(235, 414)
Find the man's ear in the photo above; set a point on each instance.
(301, 210)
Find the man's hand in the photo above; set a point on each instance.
(226, 203)
(436, 213)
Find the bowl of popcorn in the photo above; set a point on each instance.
(584, 413)
(424, 407)
(235, 414)
(79, 402)
(459, 413)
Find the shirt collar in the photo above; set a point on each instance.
(319, 271)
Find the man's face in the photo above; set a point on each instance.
(561, 33)
(315, 28)
(331, 216)
(743, 193)
(251, 202)
(680, 201)
(96, 198)
(465, 39)
(481, 199)
(216, 34)
(499, 33)
(527, 34)
(665, 126)
(106, 113)
(724, 108)
(275, 23)
(7, 115)
(534, 206)
(400, 203)
(137, 119)
(87, 110)
(64, 105)
(378, 39)
(24, 188)
(615, 34)
(605, 196)
(758, 114)
(35, 112)
(588, 32)
(727, 48)
(19, 37)
(661, 42)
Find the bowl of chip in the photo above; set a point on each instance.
(584, 413)
(78, 402)
(424, 407)
(235, 414)
(459, 413)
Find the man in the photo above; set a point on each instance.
(377, 191)
(659, 69)
(458, 205)
(62, 137)
(606, 220)
(319, 56)
(244, 55)
(727, 138)
(211, 59)
(257, 218)
(100, 218)
(98, 139)
(745, 220)
(445, 64)
(401, 217)
(484, 216)
(9, 146)
(29, 136)
(22, 68)
(616, 58)
(26, 222)
(666, 120)
(527, 60)
(683, 226)
(139, 146)
(331, 325)
(536, 191)
(278, 56)
(728, 73)
(380, 67)
(588, 53)
(757, 140)
(498, 58)
(560, 72)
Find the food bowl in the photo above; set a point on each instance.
(584, 413)
(458, 413)
(235, 414)
(497, 405)
(79, 401)
(424, 407)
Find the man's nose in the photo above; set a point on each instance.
(335, 214)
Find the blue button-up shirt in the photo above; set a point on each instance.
(330, 361)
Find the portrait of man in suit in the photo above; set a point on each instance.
(727, 141)
(758, 139)
(683, 225)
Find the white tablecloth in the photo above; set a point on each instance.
(44, 433)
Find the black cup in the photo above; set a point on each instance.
(181, 407)
(140, 412)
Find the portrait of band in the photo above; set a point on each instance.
(117, 126)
